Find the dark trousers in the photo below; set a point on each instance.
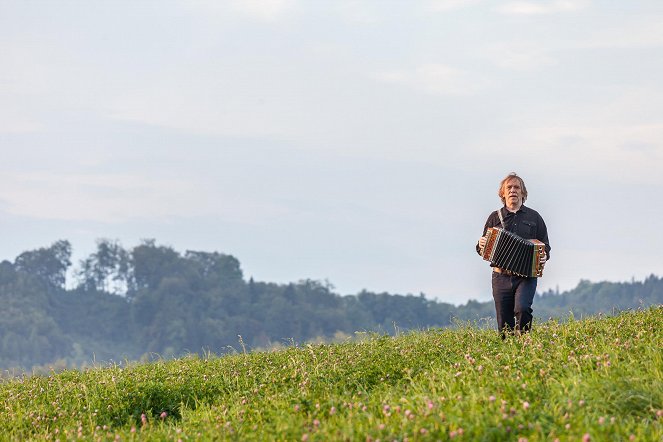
(513, 297)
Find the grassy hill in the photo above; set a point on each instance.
(595, 379)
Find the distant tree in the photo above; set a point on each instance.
(152, 263)
(106, 270)
(47, 264)
(216, 269)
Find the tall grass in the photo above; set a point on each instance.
(593, 379)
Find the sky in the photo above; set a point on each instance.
(355, 142)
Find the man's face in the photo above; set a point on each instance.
(512, 192)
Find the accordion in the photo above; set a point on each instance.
(510, 252)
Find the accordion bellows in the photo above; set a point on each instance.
(510, 252)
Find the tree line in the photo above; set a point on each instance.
(153, 301)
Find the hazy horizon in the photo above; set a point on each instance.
(359, 142)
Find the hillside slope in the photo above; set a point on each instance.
(600, 378)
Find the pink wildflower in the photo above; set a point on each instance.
(526, 405)
(332, 411)
(163, 415)
(143, 419)
(586, 437)
(491, 398)
(304, 437)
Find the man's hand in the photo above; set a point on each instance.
(543, 259)
(482, 242)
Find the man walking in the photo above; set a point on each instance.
(514, 294)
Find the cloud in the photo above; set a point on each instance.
(643, 33)
(358, 12)
(104, 197)
(541, 7)
(519, 56)
(259, 10)
(13, 122)
(448, 5)
(122, 197)
(435, 78)
(631, 151)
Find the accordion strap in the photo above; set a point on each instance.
(499, 213)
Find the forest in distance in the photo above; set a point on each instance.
(152, 301)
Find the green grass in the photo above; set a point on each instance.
(601, 377)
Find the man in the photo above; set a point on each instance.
(514, 294)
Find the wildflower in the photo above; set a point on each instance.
(430, 405)
(581, 402)
(526, 405)
(381, 427)
(163, 415)
(332, 411)
(586, 437)
(143, 419)
(522, 439)
(601, 420)
(133, 429)
(316, 423)
(296, 407)
(423, 431)
(491, 398)
(304, 437)
(453, 434)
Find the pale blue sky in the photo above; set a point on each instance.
(360, 142)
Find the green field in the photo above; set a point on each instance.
(590, 379)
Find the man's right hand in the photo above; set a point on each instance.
(482, 242)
